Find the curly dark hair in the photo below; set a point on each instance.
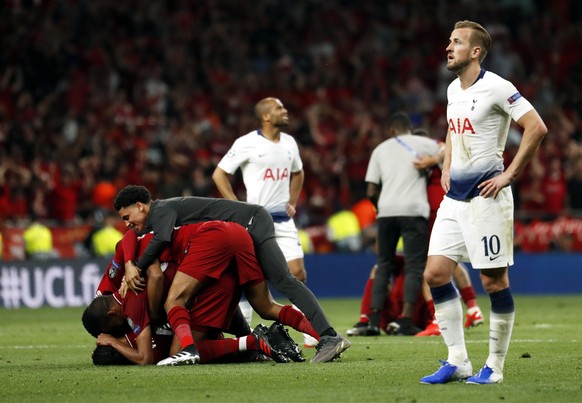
(96, 319)
(107, 355)
(131, 194)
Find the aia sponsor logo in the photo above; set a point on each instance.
(276, 174)
(461, 126)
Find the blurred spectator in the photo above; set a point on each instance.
(105, 239)
(38, 241)
(344, 231)
(366, 214)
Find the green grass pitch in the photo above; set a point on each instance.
(45, 356)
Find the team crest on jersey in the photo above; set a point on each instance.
(113, 269)
(230, 153)
(513, 98)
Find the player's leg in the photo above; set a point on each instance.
(218, 349)
(388, 236)
(260, 299)
(491, 251)
(297, 268)
(361, 327)
(274, 265)
(415, 240)
(496, 284)
(449, 316)
(432, 329)
(180, 295)
(474, 316)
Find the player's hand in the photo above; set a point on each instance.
(492, 187)
(133, 278)
(291, 210)
(123, 288)
(105, 340)
(424, 162)
(446, 180)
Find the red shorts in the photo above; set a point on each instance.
(216, 303)
(214, 246)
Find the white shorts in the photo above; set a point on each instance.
(287, 237)
(479, 231)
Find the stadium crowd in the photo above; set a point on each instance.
(98, 95)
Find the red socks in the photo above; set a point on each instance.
(366, 301)
(430, 308)
(179, 320)
(213, 350)
(469, 297)
(295, 319)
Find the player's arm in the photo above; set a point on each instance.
(163, 221)
(222, 181)
(142, 355)
(534, 130)
(155, 290)
(428, 161)
(446, 170)
(295, 186)
(373, 193)
(133, 277)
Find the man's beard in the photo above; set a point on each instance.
(455, 68)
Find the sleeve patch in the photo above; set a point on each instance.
(514, 98)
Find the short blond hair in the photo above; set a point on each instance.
(479, 36)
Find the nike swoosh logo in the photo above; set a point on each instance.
(493, 258)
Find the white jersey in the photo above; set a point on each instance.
(403, 192)
(266, 168)
(479, 119)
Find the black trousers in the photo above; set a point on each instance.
(274, 265)
(414, 232)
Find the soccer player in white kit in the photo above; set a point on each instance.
(272, 172)
(475, 220)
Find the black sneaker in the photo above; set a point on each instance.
(263, 345)
(363, 330)
(280, 339)
(403, 327)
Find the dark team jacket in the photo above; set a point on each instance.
(166, 214)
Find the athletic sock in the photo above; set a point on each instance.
(430, 308)
(468, 296)
(179, 320)
(500, 328)
(294, 318)
(212, 350)
(449, 316)
(366, 301)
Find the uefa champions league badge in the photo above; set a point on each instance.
(113, 269)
